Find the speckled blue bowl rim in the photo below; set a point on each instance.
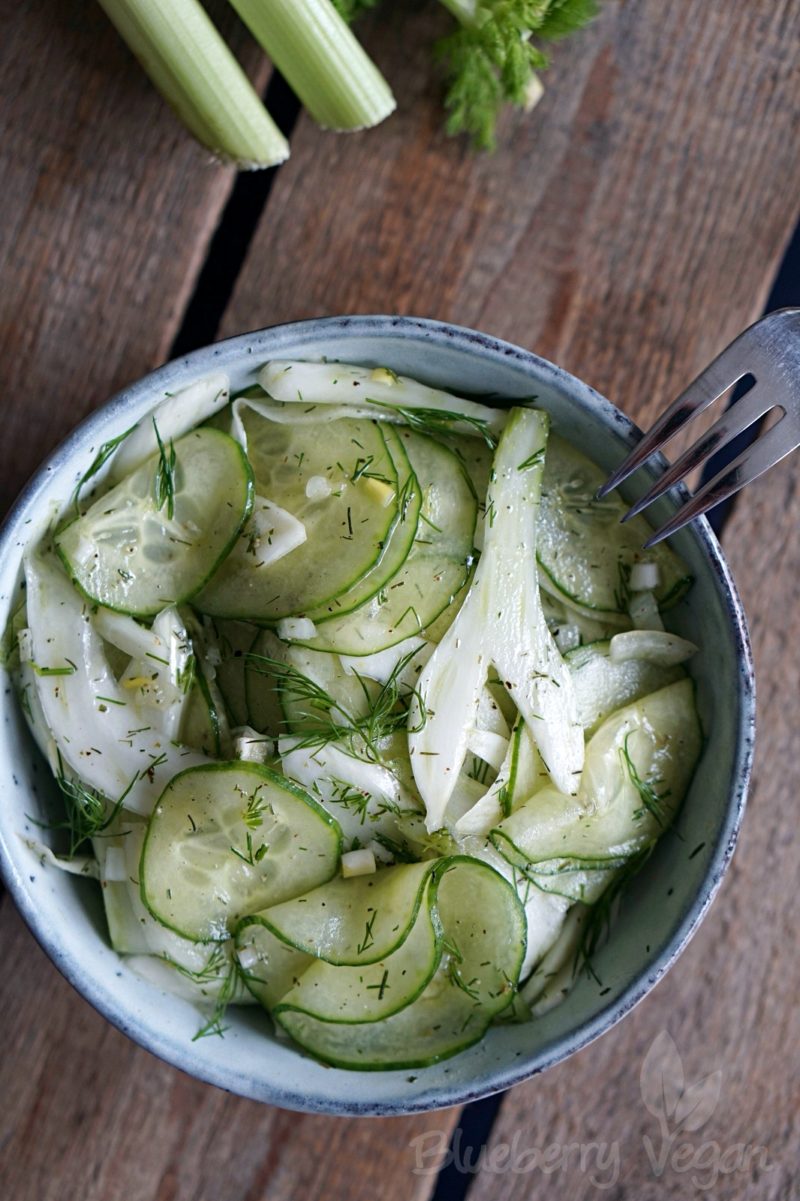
(482, 346)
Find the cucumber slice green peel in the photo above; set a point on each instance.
(228, 839)
(481, 945)
(638, 768)
(583, 546)
(347, 526)
(352, 922)
(159, 535)
(375, 987)
(399, 540)
(436, 569)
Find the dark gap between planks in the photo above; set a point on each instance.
(234, 233)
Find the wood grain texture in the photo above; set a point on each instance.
(627, 229)
(86, 1113)
(108, 207)
(624, 229)
(730, 1003)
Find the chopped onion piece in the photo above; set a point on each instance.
(644, 612)
(251, 746)
(248, 958)
(657, 646)
(358, 863)
(567, 638)
(644, 577)
(318, 488)
(294, 628)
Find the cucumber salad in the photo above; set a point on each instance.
(360, 705)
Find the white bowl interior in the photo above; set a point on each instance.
(660, 908)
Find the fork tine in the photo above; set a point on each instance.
(724, 371)
(735, 420)
(765, 452)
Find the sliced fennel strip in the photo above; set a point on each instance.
(500, 624)
(107, 745)
(382, 394)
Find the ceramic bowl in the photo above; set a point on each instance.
(663, 906)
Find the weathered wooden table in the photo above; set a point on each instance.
(627, 230)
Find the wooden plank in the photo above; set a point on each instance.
(730, 1003)
(624, 229)
(414, 224)
(108, 208)
(628, 230)
(88, 1114)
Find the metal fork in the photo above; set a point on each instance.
(770, 352)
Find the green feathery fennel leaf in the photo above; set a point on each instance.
(492, 61)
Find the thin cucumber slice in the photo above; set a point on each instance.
(483, 929)
(292, 689)
(398, 543)
(638, 767)
(558, 970)
(228, 839)
(202, 723)
(584, 548)
(270, 968)
(603, 686)
(353, 922)
(370, 992)
(132, 929)
(342, 487)
(157, 537)
(476, 457)
(231, 642)
(262, 687)
(437, 566)
(175, 416)
(585, 884)
(544, 915)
